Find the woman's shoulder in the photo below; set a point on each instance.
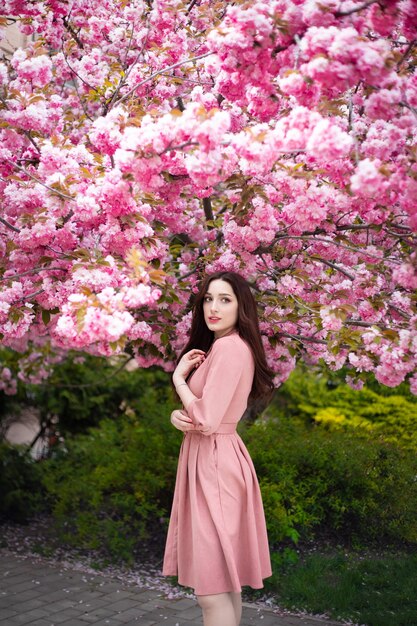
(232, 344)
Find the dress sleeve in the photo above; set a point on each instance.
(229, 360)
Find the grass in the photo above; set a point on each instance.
(373, 590)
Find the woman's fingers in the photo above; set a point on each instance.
(180, 425)
(181, 421)
(183, 416)
(195, 355)
(189, 361)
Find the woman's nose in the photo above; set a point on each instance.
(213, 306)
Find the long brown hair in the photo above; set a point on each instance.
(247, 326)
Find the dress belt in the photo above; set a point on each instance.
(225, 428)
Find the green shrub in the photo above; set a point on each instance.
(311, 479)
(115, 483)
(84, 391)
(20, 484)
(317, 398)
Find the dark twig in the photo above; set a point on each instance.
(73, 33)
(8, 225)
(363, 6)
(407, 52)
(302, 338)
(191, 6)
(162, 71)
(208, 210)
(334, 266)
(56, 191)
(31, 271)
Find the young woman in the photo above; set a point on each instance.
(217, 538)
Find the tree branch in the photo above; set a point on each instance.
(123, 80)
(6, 223)
(22, 169)
(81, 100)
(78, 76)
(311, 238)
(31, 271)
(162, 71)
(333, 266)
(191, 6)
(208, 210)
(180, 104)
(179, 147)
(407, 52)
(72, 31)
(399, 311)
(302, 338)
(32, 141)
(32, 295)
(365, 5)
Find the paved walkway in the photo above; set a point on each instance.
(35, 592)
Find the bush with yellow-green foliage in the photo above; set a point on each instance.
(390, 415)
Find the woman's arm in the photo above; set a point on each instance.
(189, 361)
(185, 394)
(230, 358)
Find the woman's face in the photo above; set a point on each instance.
(220, 307)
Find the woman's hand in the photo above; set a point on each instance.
(181, 421)
(189, 361)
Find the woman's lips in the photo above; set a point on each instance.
(214, 319)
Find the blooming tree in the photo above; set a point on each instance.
(144, 143)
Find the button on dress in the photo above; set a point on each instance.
(217, 540)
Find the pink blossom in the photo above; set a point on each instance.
(3, 74)
(413, 384)
(303, 90)
(368, 312)
(285, 154)
(7, 384)
(140, 330)
(36, 69)
(354, 383)
(331, 319)
(328, 142)
(390, 372)
(382, 104)
(105, 133)
(410, 90)
(290, 285)
(406, 276)
(368, 179)
(362, 363)
(140, 295)
(42, 115)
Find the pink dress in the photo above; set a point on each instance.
(217, 538)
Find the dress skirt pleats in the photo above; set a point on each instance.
(217, 539)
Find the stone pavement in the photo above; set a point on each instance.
(36, 592)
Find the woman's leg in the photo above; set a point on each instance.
(237, 605)
(218, 610)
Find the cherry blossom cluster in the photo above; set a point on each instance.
(144, 144)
